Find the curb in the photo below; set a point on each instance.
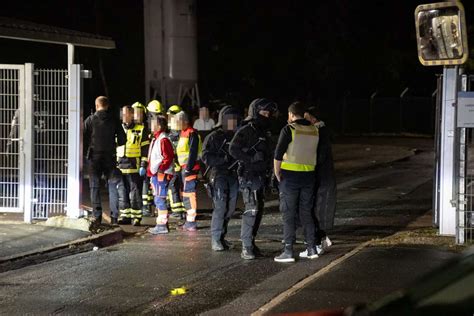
(104, 239)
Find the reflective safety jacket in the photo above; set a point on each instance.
(189, 149)
(301, 154)
(134, 153)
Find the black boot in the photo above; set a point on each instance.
(247, 253)
(256, 250)
(286, 255)
(217, 245)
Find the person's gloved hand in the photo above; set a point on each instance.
(142, 171)
(177, 168)
(259, 156)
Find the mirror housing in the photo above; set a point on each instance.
(441, 34)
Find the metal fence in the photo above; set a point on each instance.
(33, 140)
(465, 182)
(10, 101)
(464, 176)
(50, 142)
(377, 114)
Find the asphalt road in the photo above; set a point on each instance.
(136, 277)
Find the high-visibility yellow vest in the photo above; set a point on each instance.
(135, 141)
(182, 149)
(301, 152)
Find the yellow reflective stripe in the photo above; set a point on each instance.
(128, 171)
(296, 166)
(132, 152)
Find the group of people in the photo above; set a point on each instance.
(167, 153)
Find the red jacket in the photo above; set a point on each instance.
(166, 151)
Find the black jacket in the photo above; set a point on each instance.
(242, 147)
(215, 149)
(103, 133)
(325, 165)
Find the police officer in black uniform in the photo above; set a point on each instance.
(222, 176)
(251, 147)
(103, 132)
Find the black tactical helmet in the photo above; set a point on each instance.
(260, 104)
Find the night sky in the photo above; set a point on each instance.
(283, 50)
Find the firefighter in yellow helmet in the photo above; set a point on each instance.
(141, 117)
(155, 107)
(176, 184)
(132, 162)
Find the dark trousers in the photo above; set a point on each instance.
(115, 184)
(253, 196)
(296, 198)
(130, 193)
(226, 190)
(325, 201)
(99, 165)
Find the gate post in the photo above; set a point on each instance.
(74, 178)
(447, 212)
(437, 146)
(27, 118)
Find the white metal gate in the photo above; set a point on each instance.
(11, 157)
(50, 119)
(464, 177)
(465, 182)
(34, 140)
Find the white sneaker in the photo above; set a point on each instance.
(320, 250)
(304, 254)
(314, 254)
(326, 242)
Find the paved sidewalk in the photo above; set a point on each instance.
(16, 239)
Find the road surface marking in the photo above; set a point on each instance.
(298, 286)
